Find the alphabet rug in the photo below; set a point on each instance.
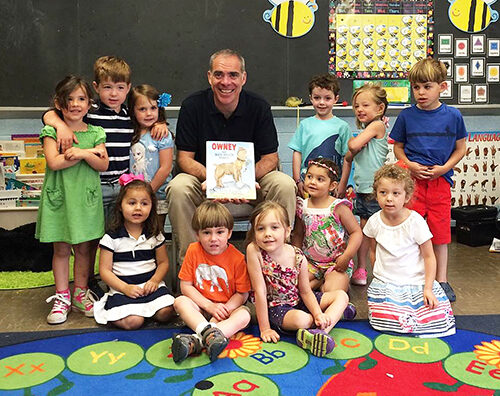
(364, 362)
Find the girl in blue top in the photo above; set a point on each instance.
(369, 151)
(148, 157)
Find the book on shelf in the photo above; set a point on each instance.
(230, 170)
(32, 145)
(2, 177)
(10, 162)
(11, 146)
(32, 165)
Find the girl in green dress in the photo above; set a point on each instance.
(71, 212)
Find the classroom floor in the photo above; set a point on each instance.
(473, 272)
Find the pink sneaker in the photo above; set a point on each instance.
(359, 277)
(60, 309)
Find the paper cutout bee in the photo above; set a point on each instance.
(291, 18)
(472, 16)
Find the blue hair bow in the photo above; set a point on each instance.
(164, 100)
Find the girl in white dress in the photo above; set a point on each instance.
(404, 296)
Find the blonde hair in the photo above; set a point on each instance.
(396, 173)
(260, 211)
(378, 94)
(427, 70)
(112, 68)
(211, 214)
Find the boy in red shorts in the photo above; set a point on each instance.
(430, 141)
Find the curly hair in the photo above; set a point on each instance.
(326, 81)
(396, 173)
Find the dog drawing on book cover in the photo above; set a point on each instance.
(231, 168)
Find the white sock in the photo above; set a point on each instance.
(202, 327)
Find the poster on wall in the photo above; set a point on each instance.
(398, 91)
(468, 31)
(476, 177)
(382, 39)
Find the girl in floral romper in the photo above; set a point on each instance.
(283, 298)
(320, 230)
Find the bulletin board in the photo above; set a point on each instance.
(471, 49)
(382, 39)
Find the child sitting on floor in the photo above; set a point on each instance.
(214, 286)
(404, 296)
(284, 300)
(134, 261)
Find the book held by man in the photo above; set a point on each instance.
(230, 170)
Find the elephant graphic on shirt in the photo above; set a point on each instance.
(211, 273)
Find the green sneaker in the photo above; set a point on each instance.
(316, 340)
(83, 301)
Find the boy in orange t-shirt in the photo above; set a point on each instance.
(214, 286)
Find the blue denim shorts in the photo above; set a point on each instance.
(110, 192)
(277, 314)
(364, 206)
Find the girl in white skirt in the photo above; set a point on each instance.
(133, 260)
(404, 296)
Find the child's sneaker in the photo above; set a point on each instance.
(350, 312)
(359, 277)
(60, 309)
(215, 341)
(448, 291)
(96, 288)
(184, 345)
(83, 301)
(315, 340)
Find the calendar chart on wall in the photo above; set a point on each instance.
(379, 39)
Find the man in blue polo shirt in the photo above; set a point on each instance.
(224, 112)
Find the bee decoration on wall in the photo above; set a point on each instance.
(291, 18)
(472, 16)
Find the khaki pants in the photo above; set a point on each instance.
(184, 195)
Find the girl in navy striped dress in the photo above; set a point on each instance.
(404, 296)
(133, 260)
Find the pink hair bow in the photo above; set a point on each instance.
(126, 178)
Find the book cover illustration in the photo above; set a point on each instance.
(10, 146)
(10, 162)
(230, 170)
